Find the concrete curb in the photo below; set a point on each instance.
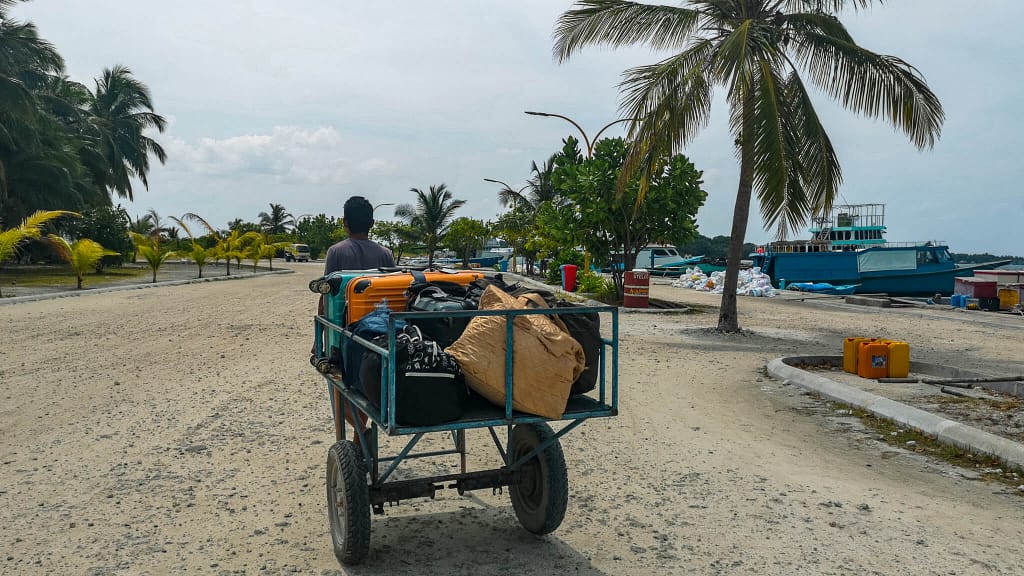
(942, 429)
(86, 292)
(575, 296)
(530, 282)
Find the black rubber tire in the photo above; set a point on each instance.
(540, 492)
(348, 503)
(323, 365)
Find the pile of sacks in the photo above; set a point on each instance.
(751, 282)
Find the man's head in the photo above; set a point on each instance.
(358, 215)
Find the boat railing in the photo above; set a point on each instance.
(804, 246)
(917, 244)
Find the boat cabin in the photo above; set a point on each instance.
(651, 257)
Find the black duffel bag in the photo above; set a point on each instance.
(445, 330)
(429, 386)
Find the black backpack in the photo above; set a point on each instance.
(429, 386)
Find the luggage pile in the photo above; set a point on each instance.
(445, 364)
(751, 282)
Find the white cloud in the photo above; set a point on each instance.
(287, 154)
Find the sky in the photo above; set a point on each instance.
(308, 102)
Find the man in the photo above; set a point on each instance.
(357, 252)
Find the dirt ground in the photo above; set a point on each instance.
(182, 430)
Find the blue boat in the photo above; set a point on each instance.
(848, 247)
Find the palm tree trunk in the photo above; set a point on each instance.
(227, 264)
(79, 282)
(154, 275)
(728, 318)
(200, 271)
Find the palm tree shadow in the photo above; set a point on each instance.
(478, 539)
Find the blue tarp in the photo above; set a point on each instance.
(822, 288)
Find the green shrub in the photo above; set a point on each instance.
(564, 256)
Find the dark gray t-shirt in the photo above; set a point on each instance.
(354, 254)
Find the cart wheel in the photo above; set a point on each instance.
(540, 493)
(323, 365)
(348, 502)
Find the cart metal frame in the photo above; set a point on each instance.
(381, 490)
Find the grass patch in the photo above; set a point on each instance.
(1001, 404)
(64, 277)
(897, 435)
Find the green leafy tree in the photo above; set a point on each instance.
(83, 255)
(317, 233)
(717, 247)
(396, 236)
(434, 210)
(760, 52)
(107, 225)
(465, 236)
(615, 221)
(152, 250)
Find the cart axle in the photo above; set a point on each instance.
(395, 492)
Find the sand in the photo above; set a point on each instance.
(182, 430)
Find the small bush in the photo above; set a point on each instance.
(564, 256)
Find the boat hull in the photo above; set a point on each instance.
(839, 268)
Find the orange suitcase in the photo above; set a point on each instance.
(364, 293)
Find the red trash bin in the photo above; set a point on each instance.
(568, 277)
(636, 289)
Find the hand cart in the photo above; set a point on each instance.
(533, 466)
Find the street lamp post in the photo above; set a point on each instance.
(590, 143)
(590, 150)
(517, 194)
(383, 204)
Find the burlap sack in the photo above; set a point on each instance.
(545, 359)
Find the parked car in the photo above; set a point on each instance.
(297, 253)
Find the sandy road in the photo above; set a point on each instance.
(181, 430)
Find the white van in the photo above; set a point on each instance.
(297, 253)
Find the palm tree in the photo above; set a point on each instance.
(122, 111)
(196, 252)
(142, 225)
(152, 251)
(278, 221)
(527, 206)
(26, 61)
(756, 50)
(434, 211)
(30, 228)
(83, 254)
